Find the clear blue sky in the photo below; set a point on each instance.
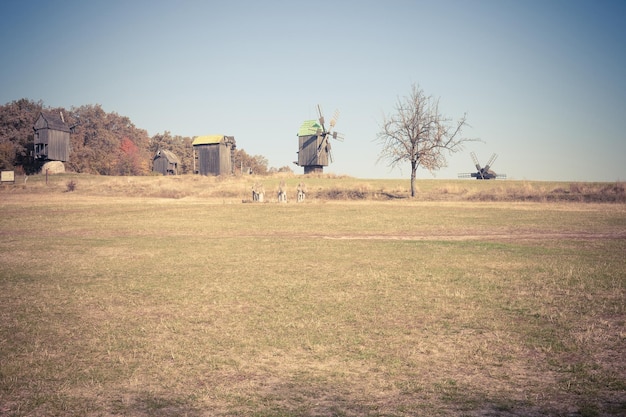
(543, 83)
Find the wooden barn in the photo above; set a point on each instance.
(165, 162)
(213, 154)
(52, 137)
(313, 149)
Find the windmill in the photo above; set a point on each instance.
(314, 144)
(485, 173)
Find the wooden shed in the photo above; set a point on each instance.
(52, 137)
(213, 154)
(313, 150)
(165, 162)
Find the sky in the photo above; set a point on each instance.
(542, 83)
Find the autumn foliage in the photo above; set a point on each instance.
(130, 161)
(103, 143)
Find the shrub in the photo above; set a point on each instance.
(71, 186)
(576, 188)
(336, 193)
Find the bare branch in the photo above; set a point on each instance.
(417, 133)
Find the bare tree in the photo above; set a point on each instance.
(419, 134)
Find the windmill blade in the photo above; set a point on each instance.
(329, 151)
(338, 136)
(491, 161)
(333, 120)
(322, 145)
(321, 119)
(475, 159)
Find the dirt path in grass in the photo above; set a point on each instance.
(528, 235)
(525, 235)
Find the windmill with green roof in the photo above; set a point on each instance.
(314, 147)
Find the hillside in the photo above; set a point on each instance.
(319, 188)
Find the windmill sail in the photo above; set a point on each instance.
(481, 173)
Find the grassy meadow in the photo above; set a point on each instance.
(161, 296)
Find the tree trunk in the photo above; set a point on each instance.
(413, 174)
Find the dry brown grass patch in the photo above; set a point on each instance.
(116, 299)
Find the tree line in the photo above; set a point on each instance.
(103, 143)
(415, 133)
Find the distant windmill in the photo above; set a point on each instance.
(485, 173)
(314, 147)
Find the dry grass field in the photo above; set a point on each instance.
(161, 296)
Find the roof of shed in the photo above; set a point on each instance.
(170, 156)
(52, 121)
(207, 139)
(309, 127)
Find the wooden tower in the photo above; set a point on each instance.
(314, 147)
(213, 154)
(52, 137)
